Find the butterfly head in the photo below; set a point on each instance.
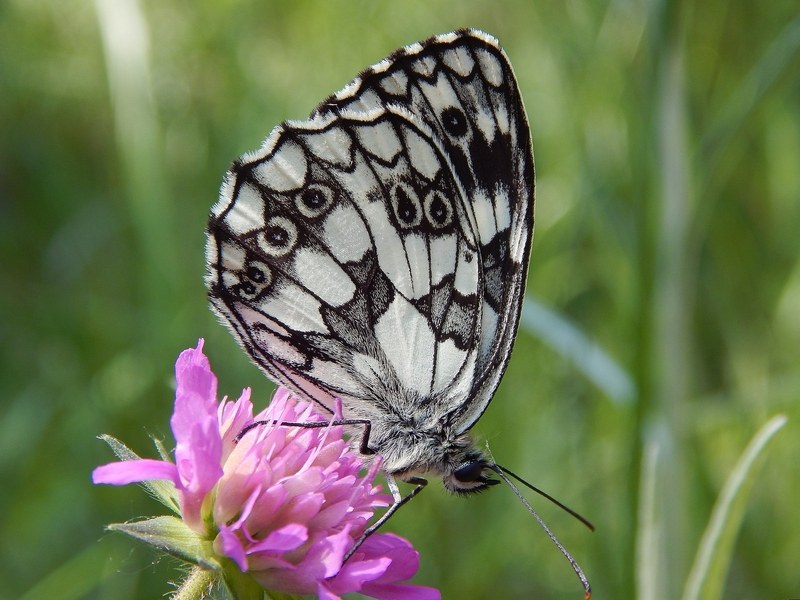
(471, 475)
(463, 468)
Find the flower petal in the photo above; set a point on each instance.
(358, 571)
(401, 592)
(324, 558)
(377, 568)
(285, 539)
(282, 502)
(195, 425)
(233, 417)
(232, 547)
(405, 559)
(134, 471)
(323, 593)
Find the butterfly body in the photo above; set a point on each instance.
(377, 252)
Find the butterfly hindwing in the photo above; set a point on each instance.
(377, 252)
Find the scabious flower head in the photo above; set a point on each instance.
(282, 504)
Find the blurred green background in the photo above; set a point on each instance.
(667, 140)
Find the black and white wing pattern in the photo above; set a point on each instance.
(377, 251)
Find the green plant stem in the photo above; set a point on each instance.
(197, 585)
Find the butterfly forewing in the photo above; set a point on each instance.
(377, 252)
(462, 86)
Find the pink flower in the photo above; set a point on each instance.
(284, 503)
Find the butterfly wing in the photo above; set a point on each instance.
(462, 86)
(372, 252)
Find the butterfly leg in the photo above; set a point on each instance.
(363, 446)
(399, 500)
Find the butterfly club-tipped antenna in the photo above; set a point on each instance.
(504, 474)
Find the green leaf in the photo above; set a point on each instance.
(174, 537)
(707, 577)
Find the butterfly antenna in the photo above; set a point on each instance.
(501, 472)
(558, 503)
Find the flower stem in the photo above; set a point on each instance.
(232, 584)
(197, 585)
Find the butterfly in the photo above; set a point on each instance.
(377, 253)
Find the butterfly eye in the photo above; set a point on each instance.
(314, 200)
(454, 122)
(469, 472)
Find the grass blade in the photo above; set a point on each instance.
(649, 530)
(707, 577)
(571, 343)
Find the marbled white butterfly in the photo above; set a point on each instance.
(377, 253)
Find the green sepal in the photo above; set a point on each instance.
(162, 490)
(174, 537)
